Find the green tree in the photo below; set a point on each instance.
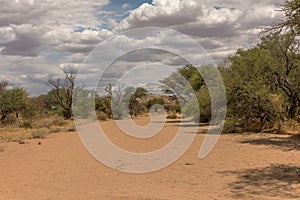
(278, 42)
(11, 100)
(134, 97)
(184, 84)
(247, 82)
(284, 68)
(154, 101)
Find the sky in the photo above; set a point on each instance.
(39, 38)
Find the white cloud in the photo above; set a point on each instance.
(38, 36)
(126, 5)
(30, 21)
(229, 23)
(51, 12)
(161, 13)
(64, 39)
(35, 36)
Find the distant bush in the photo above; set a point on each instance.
(39, 134)
(26, 124)
(10, 120)
(233, 125)
(175, 108)
(102, 116)
(49, 122)
(172, 116)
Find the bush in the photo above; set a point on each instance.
(232, 125)
(175, 108)
(50, 122)
(101, 116)
(71, 129)
(172, 116)
(26, 125)
(10, 120)
(204, 105)
(54, 130)
(39, 134)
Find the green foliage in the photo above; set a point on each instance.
(12, 101)
(154, 101)
(172, 116)
(119, 102)
(174, 107)
(103, 105)
(140, 93)
(249, 87)
(191, 74)
(101, 115)
(134, 98)
(184, 84)
(84, 98)
(204, 102)
(263, 83)
(284, 68)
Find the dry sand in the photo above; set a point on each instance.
(240, 167)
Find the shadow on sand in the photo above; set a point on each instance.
(286, 143)
(279, 181)
(203, 127)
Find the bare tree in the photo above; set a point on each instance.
(107, 101)
(290, 22)
(3, 85)
(63, 90)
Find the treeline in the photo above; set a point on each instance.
(130, 101)
(262, 88)
(262, 83)
(19, 109)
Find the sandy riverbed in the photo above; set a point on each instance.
(240, 167)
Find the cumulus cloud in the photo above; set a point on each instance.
(64, 39)
(26, 25)
(25, 40)
(50, 12)
(161, 13)
(37, 37)
(214, 24)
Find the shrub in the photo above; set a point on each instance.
(172, 116)
(10, 120)
(26, 124)
(40, 134)
(101, 116)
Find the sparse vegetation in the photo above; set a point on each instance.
(172, 116)
(39, 128)
(262, 87)
(262, 83)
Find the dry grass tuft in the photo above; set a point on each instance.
(34, 129)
